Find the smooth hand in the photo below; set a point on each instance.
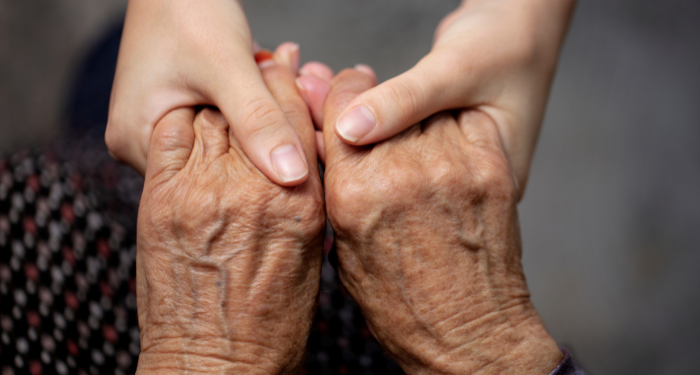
(228, 262)
(494, 56)
(428, 243)
(177, 54)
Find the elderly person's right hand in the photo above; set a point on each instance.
(428, 243)
(228, 262)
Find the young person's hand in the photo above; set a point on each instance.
(228, 262)
(494, 56)
(181, 53)
(428, 243)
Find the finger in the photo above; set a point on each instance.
(259, 125)
(318, 70)
(367, 70)
(287, 54)
(211, 134)
(320, 147)
(171, 144)
(314, 91)
(280, 80)
(401, 102)
(346, 86)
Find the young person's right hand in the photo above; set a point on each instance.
(183, 53)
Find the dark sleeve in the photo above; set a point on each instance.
(567, 366)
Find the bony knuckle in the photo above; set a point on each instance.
(347, 203)
(492, 177)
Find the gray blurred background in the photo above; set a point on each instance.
(611, 217)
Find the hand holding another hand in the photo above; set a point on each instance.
(426, 229)
(495, 56)
(228, 262)
(428, 243)
(186, 53)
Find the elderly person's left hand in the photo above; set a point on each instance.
(428, 243)
(228, 262)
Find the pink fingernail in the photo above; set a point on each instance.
(356, 123)
(288, 163)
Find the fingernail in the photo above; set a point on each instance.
(294, 57)
(264, 59)
(289, 55)
(365, 69)
(288, 163)
(355, 124)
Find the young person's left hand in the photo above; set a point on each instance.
(494, 56)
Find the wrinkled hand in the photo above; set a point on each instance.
(228, 262)
(428, 243)
(497, 56)
(183, 53)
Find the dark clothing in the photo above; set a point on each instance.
(67, 274)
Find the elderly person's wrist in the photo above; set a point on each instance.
(206, 356)
(525, 348)
(228, 262)
(192, 323)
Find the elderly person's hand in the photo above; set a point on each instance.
(428, 243)
(228, 262)
(183, 53)
(497, 56)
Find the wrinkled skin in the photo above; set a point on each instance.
(429, 246)
(228, 262)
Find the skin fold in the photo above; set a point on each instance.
(428, 243)
(228, 262)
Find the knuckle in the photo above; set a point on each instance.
(346, 203)
(275, 73)
(492, 177)
(406, 94)
(263, 117)
(358, 205)
(295, 110)
(443, 173)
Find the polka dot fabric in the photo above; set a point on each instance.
(67, 287)
(67, 274)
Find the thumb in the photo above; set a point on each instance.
(401, 102)
(171, 144)
(260, 125)
(346, 86)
